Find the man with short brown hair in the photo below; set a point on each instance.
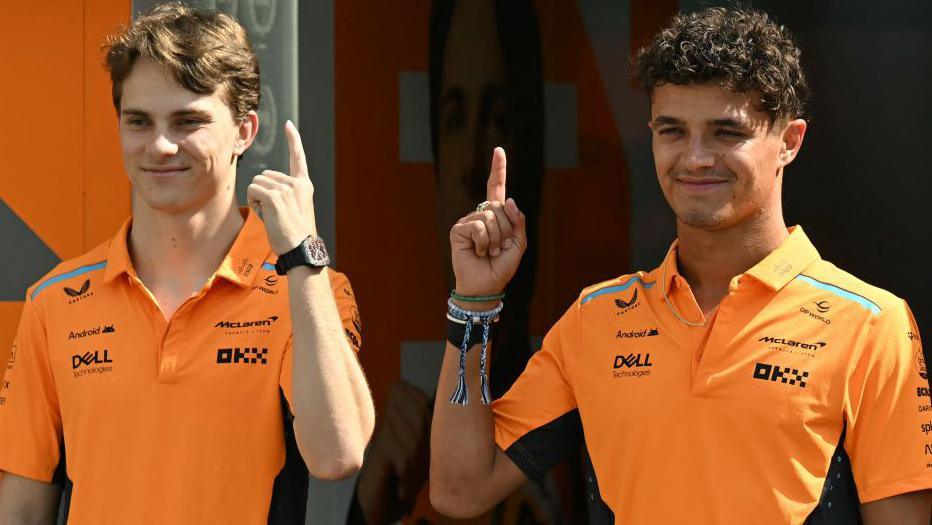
(172, 363)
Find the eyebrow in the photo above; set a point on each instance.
(664, 120)
(728, 123)
(175, 114)
(667, 121)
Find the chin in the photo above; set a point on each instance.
(703, 219)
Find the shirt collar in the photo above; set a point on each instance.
(786, 262)
(781, 266)
(240, 266)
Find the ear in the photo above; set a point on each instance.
(246, 133)
(792, 140)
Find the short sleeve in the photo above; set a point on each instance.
(349, 317)
(537, 422)
(889, 415)
(30, 419)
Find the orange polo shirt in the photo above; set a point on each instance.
(804, 394)
(176, 421)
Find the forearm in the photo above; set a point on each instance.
(463, 449)
(27, 502)
(333, 408)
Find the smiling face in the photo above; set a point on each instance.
(179, 147)
(718, 159)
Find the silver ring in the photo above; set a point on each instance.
(482, 206)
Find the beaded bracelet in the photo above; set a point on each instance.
(469, 318)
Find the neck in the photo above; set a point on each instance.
(182, 250)
(710, 259)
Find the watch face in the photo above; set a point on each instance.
(316, 252)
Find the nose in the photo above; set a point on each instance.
(162, 145)
(698, 155)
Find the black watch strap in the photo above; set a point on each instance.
(311, 252)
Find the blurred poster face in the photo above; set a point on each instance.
(474, 117)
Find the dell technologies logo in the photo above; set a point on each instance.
(96, 362)
(632, 365)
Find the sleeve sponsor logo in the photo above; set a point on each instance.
(783, 374)
(352, 338)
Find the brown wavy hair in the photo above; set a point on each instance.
(740, 49)
(203, 51)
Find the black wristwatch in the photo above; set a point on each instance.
(311, 252)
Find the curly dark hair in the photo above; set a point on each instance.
(740, 49)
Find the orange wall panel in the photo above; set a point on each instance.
(62, 171)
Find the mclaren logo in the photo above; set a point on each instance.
(791, 343)
(247, 324)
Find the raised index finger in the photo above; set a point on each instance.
(495, 190)
(297, 160)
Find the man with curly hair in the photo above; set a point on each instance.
(745, 379)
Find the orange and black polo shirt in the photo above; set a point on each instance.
(805, 394)
(179, 421)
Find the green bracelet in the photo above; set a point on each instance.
(476, 298)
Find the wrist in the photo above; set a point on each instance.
(474, 306)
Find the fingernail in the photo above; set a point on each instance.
(495, 252)
(507, 244)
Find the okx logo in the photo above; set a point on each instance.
(630, 304)
(242, 355)
(785, 375)
(81, 293)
